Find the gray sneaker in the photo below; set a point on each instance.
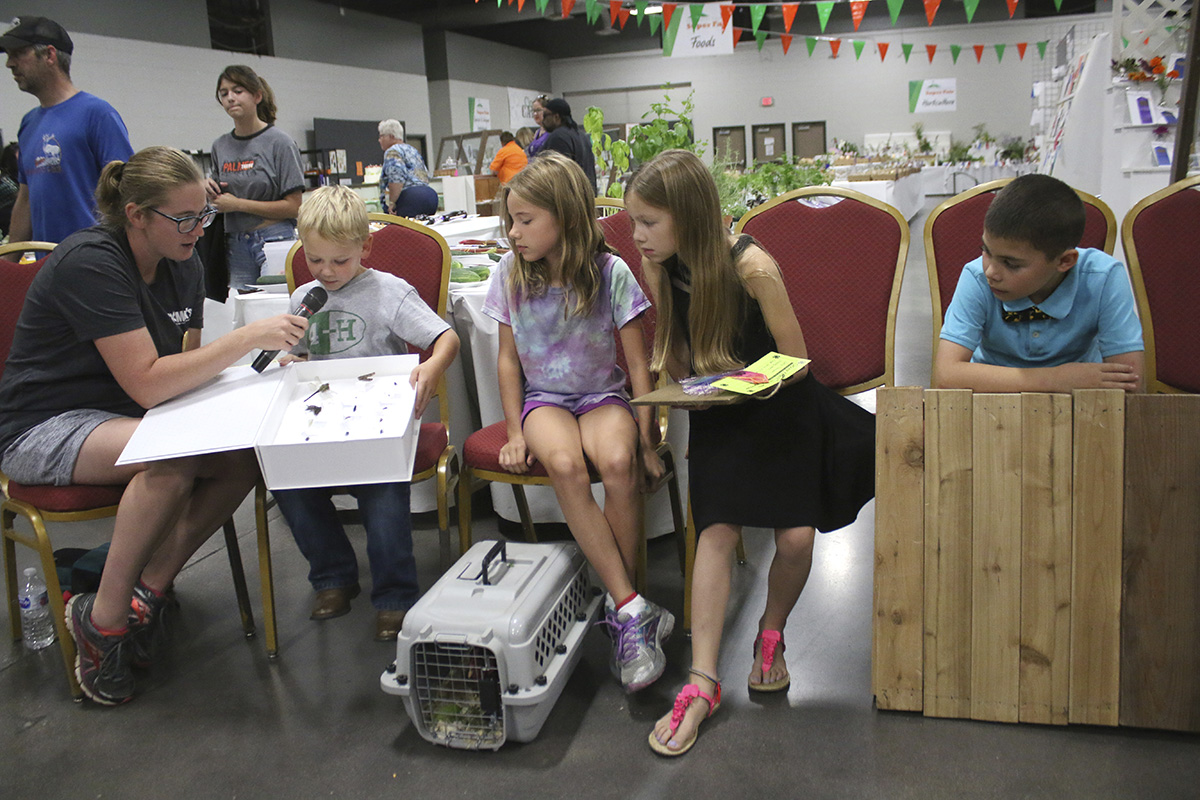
(101, 662)
(638, 659)
(148, 612)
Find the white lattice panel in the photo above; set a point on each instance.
(1150, 27)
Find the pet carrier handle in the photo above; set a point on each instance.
(498, 547)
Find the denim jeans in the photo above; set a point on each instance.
(246, 256)
(416, 201)
(332, 564)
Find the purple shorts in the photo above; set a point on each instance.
(577, 404)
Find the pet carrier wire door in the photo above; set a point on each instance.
(484, 655)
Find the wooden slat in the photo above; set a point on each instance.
(1160, 611)
(948, 553)
(1045, 558)
(899, 528)
(1099, 424)
(996, 555)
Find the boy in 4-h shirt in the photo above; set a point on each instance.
(1038, 313)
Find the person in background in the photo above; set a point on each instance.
(257, 180)
(387, 315)
(568, 138)
(404, 188)
(8, 185)
(510, 158)
(65, 141)
(540, 133)
(524, 137)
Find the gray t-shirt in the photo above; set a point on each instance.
(375, 314)
(262, 166)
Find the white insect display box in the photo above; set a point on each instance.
(485, 653)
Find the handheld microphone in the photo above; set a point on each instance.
(310, 305)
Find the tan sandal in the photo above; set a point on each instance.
(683, 701)
(769, 640)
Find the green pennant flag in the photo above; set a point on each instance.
(824, 9)
(655, 21)
(1058, 5)
(970, 6)
(858, 48)
(640, 7)
(697, 11)
(592, 9)
(760, 36)
(756, 17)
(541, 5)
(907, 48)
(894, 9)
(1041, 46)
(1124, 43)
(955, 49)
(499, 3)
(811, 43)
(1000, 52)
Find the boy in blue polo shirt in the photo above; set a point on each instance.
(1037, 313)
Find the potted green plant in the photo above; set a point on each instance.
(612, 155)
(670, 129)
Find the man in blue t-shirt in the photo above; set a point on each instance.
(65, 141)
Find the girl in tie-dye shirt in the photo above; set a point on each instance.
(561, 298)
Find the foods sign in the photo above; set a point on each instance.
(936, 94)
(705, 38)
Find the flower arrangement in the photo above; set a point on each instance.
(1141, 70)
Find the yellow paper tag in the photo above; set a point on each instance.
(773, 368)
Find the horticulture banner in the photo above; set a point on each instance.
(936, 94)
(692, 34)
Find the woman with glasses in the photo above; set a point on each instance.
(539, 109)
(257, 180)
(100, 339)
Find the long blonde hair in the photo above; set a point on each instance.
(557, 184)
(677, 182)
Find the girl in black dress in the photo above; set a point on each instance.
(801, 458)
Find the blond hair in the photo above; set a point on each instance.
(557, 184)
(336, 214)
(145, 180)
(677, 182)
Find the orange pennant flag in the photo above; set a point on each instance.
(834, 45)
(931, 49)
(883, 48)
(520, 5)
(668, 10)
(978, 53)
(726, 13)
(737, 34)
(789, 14)
(786, 38)
(567, 6)
(858, 9)
(624, 17)
(614, 12)
(1012, 7)
(1021, 49)
(931, 9)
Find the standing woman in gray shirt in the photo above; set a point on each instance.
(257, 180)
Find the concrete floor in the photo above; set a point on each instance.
(217, 719)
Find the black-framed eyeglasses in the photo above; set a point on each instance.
(188, 224)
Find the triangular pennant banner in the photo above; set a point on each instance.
(970, 6)
(697, 10)
(907, 50)
(931, 9)
(978, 48)
(858, 48)
(834, 46)
(1041, 46)
(668, 10)
(760, 36)
(624, 15)
(520, 5)
(811, 43)
(614, 12)
(786, 38)
(737, 35)
(592, 9)
(894, 9)
(883, 48)
(1012, 7)
(541, 5)
(1021, 49)
(640, 8)
(999, 52)
(567, 7)
(955, 49)
(756, 17)
(824, 9)
(726, 13)
(655, 21)
(789, 14)
(858, 9)
(1058, 5)
(931, 49)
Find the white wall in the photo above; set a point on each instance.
(854, 97)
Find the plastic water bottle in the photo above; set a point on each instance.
(37, 626)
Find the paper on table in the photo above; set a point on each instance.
(230, 420)
(769, 370)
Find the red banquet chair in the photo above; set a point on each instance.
(1161, 237)
(420, 256)
(75, 503)
(954, 229)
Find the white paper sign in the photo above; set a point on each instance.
(481, 113)
(520, 108)
(933, 95)
(705, 38)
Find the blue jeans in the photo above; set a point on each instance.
(332, 564)
(246, 256)
(416, 201)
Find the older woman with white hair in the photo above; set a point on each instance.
(404, 188)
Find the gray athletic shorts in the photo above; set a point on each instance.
(46, 453)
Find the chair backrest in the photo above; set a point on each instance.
(842, 256)
(1161, 237)
(406, 249)
(15, 280)
(954, 229)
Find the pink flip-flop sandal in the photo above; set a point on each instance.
(769, 640)
(683, 701)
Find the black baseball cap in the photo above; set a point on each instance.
(558, 106)
(36, 30)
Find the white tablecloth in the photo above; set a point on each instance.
(951, 179)
(907, 195)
